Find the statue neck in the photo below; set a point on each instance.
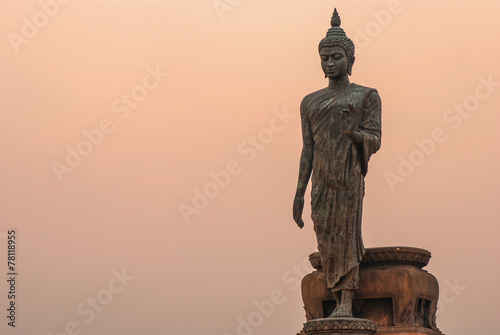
(338, 83)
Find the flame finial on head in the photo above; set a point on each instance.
(335, 22)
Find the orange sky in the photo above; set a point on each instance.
(172, 93)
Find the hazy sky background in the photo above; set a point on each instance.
(229, 74)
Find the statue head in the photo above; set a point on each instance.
(336, 38)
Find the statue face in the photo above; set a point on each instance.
(334, 62)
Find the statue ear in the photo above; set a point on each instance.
(349, 67)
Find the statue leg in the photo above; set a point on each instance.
(345, 308)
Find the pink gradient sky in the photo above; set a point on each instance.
(120, 207)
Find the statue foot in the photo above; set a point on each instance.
(342, 311)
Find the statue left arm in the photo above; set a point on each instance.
(370, 129)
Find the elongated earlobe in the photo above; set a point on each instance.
(349, 68)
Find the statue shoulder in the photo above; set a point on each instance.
(363, 89)
(367, 96)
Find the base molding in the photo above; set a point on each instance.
(334, 326)
(395, 330)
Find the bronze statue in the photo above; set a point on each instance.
(341, 129)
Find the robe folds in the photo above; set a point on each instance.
(339, 167)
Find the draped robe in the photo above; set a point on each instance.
(339, 167)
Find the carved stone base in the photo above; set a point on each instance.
(406, 331)
(333, 326)
(394, 291)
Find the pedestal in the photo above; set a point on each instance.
(398, 330)
(394, 292)
(334, 326)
